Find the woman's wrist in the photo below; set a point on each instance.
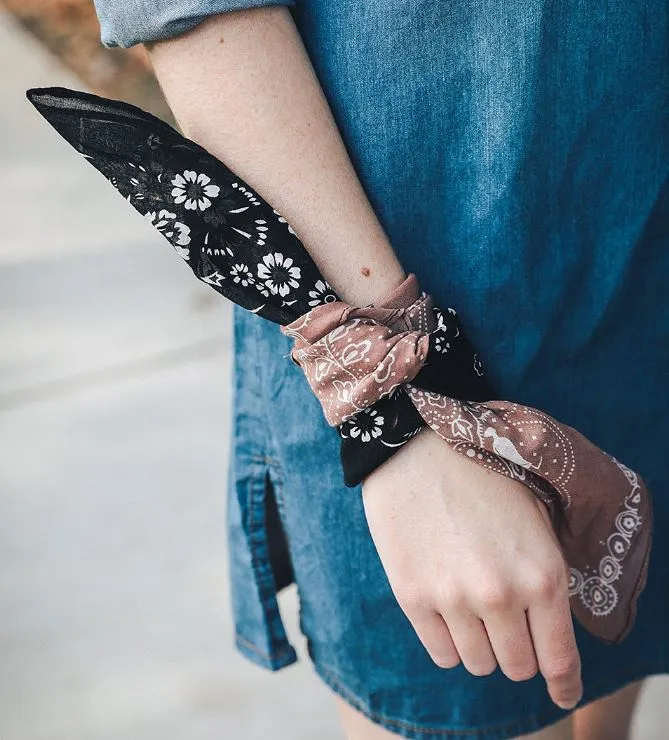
(374, 284)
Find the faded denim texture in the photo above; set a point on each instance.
(536, 135)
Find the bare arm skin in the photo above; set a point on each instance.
(470, 554)
(242, 86)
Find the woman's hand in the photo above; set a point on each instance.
(473, 562)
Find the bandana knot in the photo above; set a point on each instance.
(352, 357)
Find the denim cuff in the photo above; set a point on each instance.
(136, 21)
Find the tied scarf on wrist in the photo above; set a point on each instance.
(381, 372)
(235, 242)
(600, 509)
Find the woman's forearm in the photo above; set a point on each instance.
(241, 84)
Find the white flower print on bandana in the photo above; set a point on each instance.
(278, 274)
(322, 293)
(241, 274)
(367, 425)
(193, 190)
(177, 233)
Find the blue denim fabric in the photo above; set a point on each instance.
(535, 134)
(128, 22)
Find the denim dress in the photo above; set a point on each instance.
(517, 155)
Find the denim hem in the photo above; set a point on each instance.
(275, 661)
(126, 28)
(532, 723)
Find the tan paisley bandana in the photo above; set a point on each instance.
(600, 509)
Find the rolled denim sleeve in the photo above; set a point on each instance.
(129, 22)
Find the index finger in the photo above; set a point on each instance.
(554, 641)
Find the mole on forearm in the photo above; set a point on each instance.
(365, 271)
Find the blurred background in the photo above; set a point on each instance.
(114, 406)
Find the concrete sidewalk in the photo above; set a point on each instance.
(114, 407)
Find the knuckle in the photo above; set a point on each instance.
(411, 597)
(494, 595)
(561, 671)
(546, 583)
(453, 598)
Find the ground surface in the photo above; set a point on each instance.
(114, 367)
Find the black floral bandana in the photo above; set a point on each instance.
(238, 244)
(234, 241)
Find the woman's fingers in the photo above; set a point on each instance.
(436, 638)
(509, 635)
(559, 661)
(471, 641)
